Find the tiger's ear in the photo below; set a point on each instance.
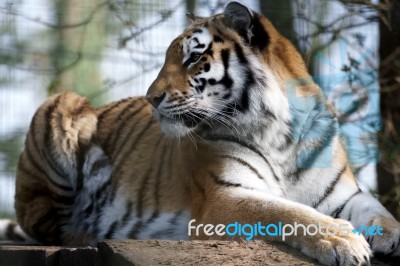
(192, 18)
(239, 18)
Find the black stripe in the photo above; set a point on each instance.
(127, 214)
(135, 229)
(338, 210)
(32, 159)
(82, 106)
(331, 187)
(104, 112)
(80, 158)
(99, 164)
(123, 121)
(315, 151)
(244, 101)
(103, 187)
(118, 121)
(152, 218)
(260, 37)
(207, 67)
(218, 39)
(104, 194)
(53, 165)
(288, 141)
(239, 52)
(219, 181)
(100, 203)
(174, 219)
(88, 211)
(123, 143)
(172, 222)
(41, 171)
(268, 114)
(142, 188)
(47, 150)
(46, 223)
(65, 199)
(177, 105)
(226, 79)
(325, 137)
(157, 184)
(201, 85)
(111, 230)
(244, 163)
(200, 45)
(209, 50)
(199, 187)
(247, 145)
(141, 193)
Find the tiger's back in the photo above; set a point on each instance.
(143, 189)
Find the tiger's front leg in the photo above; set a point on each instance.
(372, 220)
(227, 205)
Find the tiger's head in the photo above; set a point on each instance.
(228, 70)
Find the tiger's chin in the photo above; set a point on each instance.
(173, 128)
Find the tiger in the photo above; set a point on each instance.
(232, 130)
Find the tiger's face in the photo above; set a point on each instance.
(216, 74)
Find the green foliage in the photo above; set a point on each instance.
(7, 215)
(10, 148)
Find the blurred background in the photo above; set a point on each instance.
(111, 49)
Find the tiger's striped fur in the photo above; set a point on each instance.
(228, 144)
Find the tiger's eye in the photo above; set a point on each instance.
(195, 56)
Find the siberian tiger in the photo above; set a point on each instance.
(233, 129)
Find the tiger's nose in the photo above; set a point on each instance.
(156, 99)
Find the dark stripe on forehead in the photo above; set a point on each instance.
(239, 53)
(198, 31)
(243, 102)
(225, 57)
(260, 37)
(226, 79)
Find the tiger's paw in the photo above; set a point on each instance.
(387, 241)
(339, 247)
